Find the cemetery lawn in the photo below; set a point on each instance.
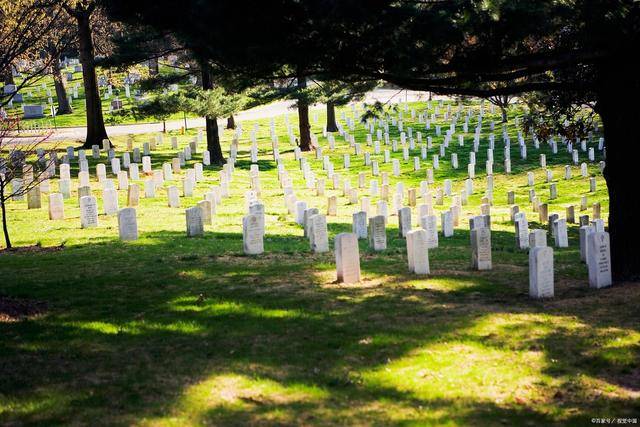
(77, 117)
(170, 330)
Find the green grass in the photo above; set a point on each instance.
(78, 116)
(170, 330)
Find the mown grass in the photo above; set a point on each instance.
(170, 330)
(78, 116)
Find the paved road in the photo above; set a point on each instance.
(265, 111)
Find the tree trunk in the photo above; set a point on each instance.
(504, 114)
(332, 126)
(7, 76)
(623, 152)
(303, 116)
(211, 123)
(231, 122)
(213, 141)
(5, 228)
(96, 131)
(61, 92)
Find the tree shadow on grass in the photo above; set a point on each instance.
(134, 327)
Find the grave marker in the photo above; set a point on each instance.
(481, 248)
(599, 260)
(347, 258)
(418, 252)
(88, 212)
(127, 224)
(541, 283)
(195, 225)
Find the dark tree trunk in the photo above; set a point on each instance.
(231, 122)
(211, 123)
(213, 141)
(5, 228)
(303, 117)
(504, 114)
(623, 152)
(61, 92)
(96, 131)
(332, 126)
(7, 76)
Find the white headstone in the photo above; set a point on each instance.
(347, 258)
(56, 206)
(541, 283)
(404, 221)
(359, 225)
(128, 224)
(173, 196)
(253, 234)
(481, 248)
(110, 201)
(195, 225)
(318, 234)
(377, 233)
(599, 260)
(418, 252)
(430, 224)
(88, 212)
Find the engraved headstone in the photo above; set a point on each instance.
(404, 221)
(359, 224)
(253, 234)
(599, 260)
(481, 248)
(377, 233)
(88, 212)
(541, 283)
(318, 234)
(430, 224)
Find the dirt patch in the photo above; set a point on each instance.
(16, 310)
(31, 249)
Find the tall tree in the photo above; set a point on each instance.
(304, 127)
(64, 33)
(335, 93)
(82, 12)
(64, 107)
(211, 121)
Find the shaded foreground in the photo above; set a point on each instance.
(175, 331)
